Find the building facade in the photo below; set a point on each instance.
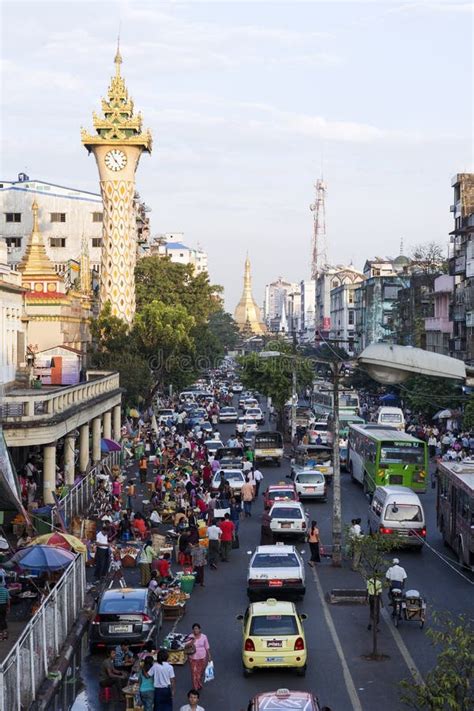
(307, 310)
(277, 294)
(439, 327)
(171, 245)
(461, 267)
(13, 325)
(342, 313)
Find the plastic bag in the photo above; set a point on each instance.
(209, 672)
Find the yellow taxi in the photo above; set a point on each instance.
(273, 637)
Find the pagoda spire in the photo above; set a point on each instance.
(36, 268)
(247, 313)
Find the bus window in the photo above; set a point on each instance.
(401, 455)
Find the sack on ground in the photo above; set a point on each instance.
(209, 672)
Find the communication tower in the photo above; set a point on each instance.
(319, 246)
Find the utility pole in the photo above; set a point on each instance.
(294, 393)
(336, 478)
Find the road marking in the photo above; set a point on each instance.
(350, 686)
(409, 661)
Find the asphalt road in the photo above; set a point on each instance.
(337, 636)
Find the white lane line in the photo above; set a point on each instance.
(409, 661)
(350, 686)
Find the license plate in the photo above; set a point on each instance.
(286, 525)
(275, 583)
(120, 629)
(274, 643)
(278, 660)
(310, 488)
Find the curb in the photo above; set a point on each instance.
(348, 595)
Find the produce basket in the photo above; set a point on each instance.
(177, 656)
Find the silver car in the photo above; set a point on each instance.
(310, 484)
(275, 570)
(288, 518)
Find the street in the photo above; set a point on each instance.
(337, 635)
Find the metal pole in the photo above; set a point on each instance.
(336, 502)
(294, 394)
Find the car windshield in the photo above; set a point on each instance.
(253, 411)
(413, 454)
(286, 512)
(233, 477)
(310, 478)
(227, 411)
(275, 560)
(403, 512)
(281, 494)
(121, 606)
(273, 625)
(320, 427)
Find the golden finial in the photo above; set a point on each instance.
(35, 210)
(118, 58)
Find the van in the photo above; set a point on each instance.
(391, 417)
(398, 510)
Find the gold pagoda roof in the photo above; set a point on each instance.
(247, 313)
(118, 122)
(35, 262)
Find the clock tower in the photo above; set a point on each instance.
(117, 147)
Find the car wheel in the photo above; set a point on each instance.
(301, 671)
(247, 672)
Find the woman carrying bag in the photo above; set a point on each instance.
(314, 543)
(200, 657)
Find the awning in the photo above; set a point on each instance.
(10, 497)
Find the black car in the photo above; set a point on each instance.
(129, 615)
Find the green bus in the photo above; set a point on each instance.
(381, 456)
(345, 420)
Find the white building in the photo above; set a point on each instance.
(68, 216)
(171, 244)
(12, 322)
(342, 306)
(277, 296)
(307, 310)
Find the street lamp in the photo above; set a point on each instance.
(392, 364)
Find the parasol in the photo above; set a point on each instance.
(43, 558)
(58, 539)
(109, 445)
(443, 415)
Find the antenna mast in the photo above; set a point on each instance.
(319, 247)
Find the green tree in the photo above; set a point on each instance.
(371, 551)
(430, 258)
(448, 686)
(468, 418)
(224, 328)
(426, 395)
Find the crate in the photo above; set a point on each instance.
(173, 613)
(177, 657)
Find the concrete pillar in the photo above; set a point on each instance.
(49, 472)
(107, 425)
(96, 434)
(69, 446)
(117, 423)
(84, 448)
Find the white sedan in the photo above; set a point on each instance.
(277, 569)
(234, 477)
(288, 518)
(254, 413)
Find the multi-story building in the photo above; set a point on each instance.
(307, 323)
(461, 266)
(323, 301)
(376, 300)
(12, 321)
(439, 327)
(277, 295)
(171, 244)
(415, 304)
(294, 311)
(342, 306)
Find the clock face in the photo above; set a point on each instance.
(115, 159)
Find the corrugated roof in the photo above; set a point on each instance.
(176, 245)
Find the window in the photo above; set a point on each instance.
(390, 292)
(14, 242)
(13, 216)
(96, 241)
(351, 317)
(350, 297)
(57, 241)
(58, 217)
(97, 216)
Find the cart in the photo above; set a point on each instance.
(413, 607)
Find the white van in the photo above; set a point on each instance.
(398, 510)
(391, 417)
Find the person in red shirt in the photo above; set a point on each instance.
(228, 530)
(164, 567)
(207, 475)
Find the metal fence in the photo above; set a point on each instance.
(31, 659)
(77, 500)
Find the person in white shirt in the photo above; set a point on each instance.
(396, 575)
(102, 553)
(192, 705)
(355, 532)
(155, 518)
(164, 681)
(257, 477)
(214, 535)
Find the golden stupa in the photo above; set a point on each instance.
(247, 313)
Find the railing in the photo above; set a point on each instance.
(40, 406)
(77, 500)
(438, 323)
(31, 659)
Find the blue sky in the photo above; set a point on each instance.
(247, 102)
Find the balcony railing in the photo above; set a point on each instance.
(37, 406)
(444, 325)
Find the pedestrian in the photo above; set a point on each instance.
(374, 596)
(102, 553)
(4, 609)
(314, 541)
(116, 570)
(201, 656)
(144, 562)
(227, 536)
(235, 511)
(247, 496)
(164, 682)
(130, 491)
(110, 676)
(192, 705)
(214, 534)
(143, 468)
(266, 533)
(355, 533)
(146, 685)
(396, 575)
(258, 478)
(198, 557)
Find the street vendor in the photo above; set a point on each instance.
(123, 657)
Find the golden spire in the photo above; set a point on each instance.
(247, 313)
(118, 122)
(85, 273)
(35, 262)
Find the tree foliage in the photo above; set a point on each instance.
(448, 686)
(468, 418)
(426, 395)
(429, 257)
(224, 329)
